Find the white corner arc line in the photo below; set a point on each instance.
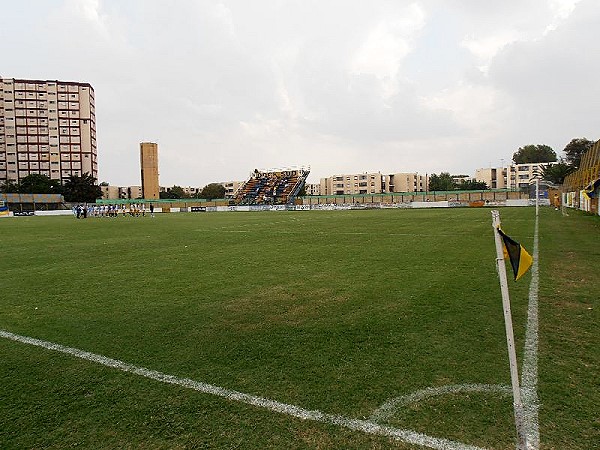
(529, 375)
(408, 436)
(389, 408)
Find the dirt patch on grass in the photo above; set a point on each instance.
(281, 305)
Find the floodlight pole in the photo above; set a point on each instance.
(510, 340)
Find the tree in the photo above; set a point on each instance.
(36, 183)
(81, 189)
(174, 192)
(441, 182)
(213, 190)
(575, 149)
(534, 154)
(556, 173)
(9, 187)
(472, 185)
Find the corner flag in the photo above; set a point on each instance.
(520, 260)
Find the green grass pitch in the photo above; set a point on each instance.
(335, 311)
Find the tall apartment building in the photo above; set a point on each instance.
(149, 168)
(48, 128)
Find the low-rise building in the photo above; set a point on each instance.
(372, 183)
(231, 187)
(458, 179)
(191, 191)
(406, 182)
(349, 184)
(312, 189)
(522, 175)
(515, 176)
(121, 192)
(494, 177)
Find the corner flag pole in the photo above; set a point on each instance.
(510, 340)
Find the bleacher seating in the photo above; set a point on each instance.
(271, 187)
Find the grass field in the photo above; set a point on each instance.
(335, 311)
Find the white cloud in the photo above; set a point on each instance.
(385, 47)
(562, 9)
(475, 107)
(486, 47)
(223, 13)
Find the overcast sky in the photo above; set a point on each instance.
(342, 86)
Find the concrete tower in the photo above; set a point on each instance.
(149, 167)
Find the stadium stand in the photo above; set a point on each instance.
(588, 171)
(581, 189)
(277, 187)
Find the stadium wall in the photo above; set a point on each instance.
(360, 201)
(362, 206)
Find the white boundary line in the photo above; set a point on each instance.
(326, 233)
(529, 375)
(409, 436)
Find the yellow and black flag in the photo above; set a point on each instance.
(520, 260)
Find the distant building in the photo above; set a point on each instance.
(192, 191)
(522, 175)
(494, 177)
(121, 192)
(133, 192)
(406, 182)
(312, 189)
(348, 184)
(372, 183)
(149, 169)
(231, 187)
(110, 192)
(48, 128)
(515, 176)
(458, 179)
